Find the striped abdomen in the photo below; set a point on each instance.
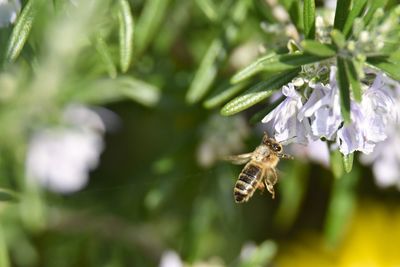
(247, 183)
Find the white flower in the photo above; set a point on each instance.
(323, 108)
(8, 11)
(351, 137)
(370, 119)
(60, 158)
(331, 4)
(283, 119)
(170, 259)
(385, 158)
(320, 115)
(316, 151)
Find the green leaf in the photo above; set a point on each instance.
(105, 56)
(338, 39)
(352, 75)
(4, 256)
(206, 73)
(384, 65)
(256, 118)
(341, 14)
(209, 9)
(126, 29)
(318, 49)
(253, 68)
(373, 6)
(357, 8)
(344, 89)
(394, 57)
(124, 87)
(224, 95)
(341, 207)
(7, 195)
(348, 162)
(21, 30)
(149, 22)
(257, 93)
(336, 162)
(309, 19)
(295, 14)
(275, 63)
(292, 190)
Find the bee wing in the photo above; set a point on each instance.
(239, 159)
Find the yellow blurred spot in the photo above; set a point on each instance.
(372, 241)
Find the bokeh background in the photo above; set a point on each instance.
(159, 195)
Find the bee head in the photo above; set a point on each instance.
(275, 146)
(272, 144)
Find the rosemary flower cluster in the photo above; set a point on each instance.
(314, 113)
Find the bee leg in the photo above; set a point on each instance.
(271, 190)
(262, 186)
(270, 181)
(285, 156)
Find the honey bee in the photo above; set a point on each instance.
(259, 172)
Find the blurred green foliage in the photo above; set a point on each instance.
(151, 62)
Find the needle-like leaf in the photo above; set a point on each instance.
(383, 64)
(344, 89)
(148, 23)
(226, 94)
(275, 63)
(309, 19)
(341, 14)
(110, 90)
(373, 6)
(105, 56)
(352, 75)
(257, 93)
(206, 73)
(21, 30)
(126, 30)
(358, 7)
(318, 49)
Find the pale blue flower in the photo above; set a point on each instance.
(320, 115)
(370, 119)
(351, 137)
(323, 109)
(385, 159)
(283, 119)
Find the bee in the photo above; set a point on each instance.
(259, 171)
